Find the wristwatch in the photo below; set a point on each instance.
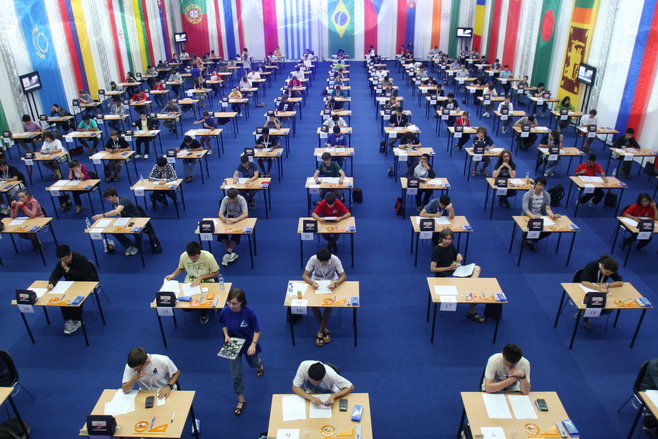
(171, 386)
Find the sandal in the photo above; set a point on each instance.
(260, 371)
(319, 340)
(116, 178)
(78, 209)
(109, 179)
(475, 317)
(238, 409)
(327, 336)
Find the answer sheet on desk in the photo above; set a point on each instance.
(496, 405)
(522, 407)
(103, 223)
(170, 285)
(293, 408)
(121, 221)
(320, 411)
(121, 403)
(61, 287)
(323, 287)
(445, 290)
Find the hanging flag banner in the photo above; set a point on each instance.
(341, 26)
(195, 24)
(545, 41)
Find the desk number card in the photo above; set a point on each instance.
(535, 226)
(139, 191)
(459, 129)
(205, 236)
(525, 130)
(55, 193)
(426, 228)
(29, 156)
(448, 303)
(26, 309)
(298, 306)
(553, 152)
(96, 234)
(165, 311)
(591, 131)
(501, 186)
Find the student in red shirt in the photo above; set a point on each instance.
(590, 169)
(331, 207)
(644, 207)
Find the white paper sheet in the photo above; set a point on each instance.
(161, 402)
(59, 183)
(517, 181)
(170, 285)
(61, 287)
(547, 221)
(464, 270)
(103, 223)
(189, 290)
(587, 290)
(631, 222)
(287, 433)
(436, 181)
(442, 221)
(323, 287)
(596, 180)
(40, 291)
(493, 433)
(293, 408)
(320, 411)
(496, 405)
(330, 180)
(121, 403)
(522, 407)
(121, 221)
(243, 180)
(653, 396)
(17, 222)
(445, 290)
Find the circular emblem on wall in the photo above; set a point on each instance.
(411, 3)
(445, 17)
(193, 14)
(40, 42)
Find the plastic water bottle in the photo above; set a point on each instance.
(87, 223)
(221, 282)
(527, 178)
(290, 288)
(614, 172)
(141, 177)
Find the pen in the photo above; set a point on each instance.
(172, 417)
(152, 423)
(62, 298)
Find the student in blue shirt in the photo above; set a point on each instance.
(208, 123)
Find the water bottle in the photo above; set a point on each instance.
(614, 172)
(141, 177)
(527, 178)
(290, 288)
(88, 223)
(221, 282)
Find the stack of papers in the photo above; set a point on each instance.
(293, 408)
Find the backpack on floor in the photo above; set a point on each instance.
(11, 429)
(556, 193)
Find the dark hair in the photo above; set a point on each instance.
(335, 117)
(541, 84)
(62, 250)
(187, 139)
(640, 197)
(591, 157)
(237, 293)
(73, 164)
(162, 161)
(137, 357)
(86, 117)
(244, 158)
(266, 130)
(232, 193)
(24, 191)
(323, 254)
(326, 155)
(630, 130)
(540, 180)
(330, 198)
(482, 130)
(317, 371)
(531, 118)
(426, 156)
(512, 353)
(110, 192)
(206, 113)
(336, 129)
(142, 113)
(26, 118)
(451, 95)
(193, 248)
(501, 159)
(3, 162)
(592, 112)
(555, 134)
(49, 135)
(114, 133)
(609, 263)
(445, 233)
(444, 199)
(564, 100)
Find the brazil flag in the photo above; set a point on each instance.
(340, 14)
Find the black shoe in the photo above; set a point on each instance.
(165, 202)
(335, 248)
(530, 245)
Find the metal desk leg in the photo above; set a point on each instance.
(194, 428)
(573, 238)
(18, 415)
(354, 320)
(98, 300)
(292, 325)
(559, 309)
(461, 423)
(84, 331)
(575, 327)
(29, 331)
(495, 331)
(433, 324)
(352, 247)
(638, 327)
(164, 339)
(251, 255)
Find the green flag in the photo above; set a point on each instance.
(340, 14)
(545, 41)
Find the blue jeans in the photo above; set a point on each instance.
(253, 361)
(189, 166)
(552, 165)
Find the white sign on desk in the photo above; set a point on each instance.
(55, 193)
(314, 189)
(287, 433)
(307, 236)
(448, 303)
(26, 309)
(165, 311)
(627, 158)
(426, 235)
(592, 312)
(30, 162)
(589, 189)
(298, 306)
(139, 191)
(206, 236)
(392, 135)
(96, 234)
(501, 191)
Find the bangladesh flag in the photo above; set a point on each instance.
(545, 41)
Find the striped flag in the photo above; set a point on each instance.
(511, 33)
(478, 26)
(371, 10)
(494, 31)
(545, 41)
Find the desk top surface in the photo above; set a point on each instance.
(455, 224)
(481, 286)
(618, 298)
(561, 224)
(336, 299)
(329, 226)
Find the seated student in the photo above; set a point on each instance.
(548, 140)
(464, 121)
(232, 209)
(461, 74)
(266, 141)
(445, 261)
(650, 382)
(596, 273)
(337, 139)
(389, 90)
(11, 174)
(532, 137)
(338, 92)
(130, 78)
(588, 119)
(72, 266)
(395, 104)
(590, 169)
(144, 124)
(491, 91)
(171, 108)
(77, 171)
(272, 122)
(334, 105)
(247, 169)
(333, 208)
(323, 266)
(162, 172)
(160, 98)
(236, 106)
(335, 120)
(85, 98)
(436, 208)
(285, 104)
(506, 105)
(30, 126)
(139, 97)
(399, 119)
(116, 109)
(537, 203)
(623, 142)
(51, 145)
(122, 206)
(520, 95)
(421, 169)
(209, 123)
(505, 167)
(564, 104)
(508, 371)
(480, 81)
(409, 140)
(27, 206)
(116, 144)
(189, 165)
(538, 93)
(644, 207)
(150, 372)
(481, 136)
(450, 104)
(314, 377)
(329, 169)
(57, 111)
(87, 124)
(505, 74)
(178, 79)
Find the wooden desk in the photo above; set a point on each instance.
(232, 115)
(600, 131)
(402, 152)
(97, 233)
(8, 186)
(493, 152)
(395, 132)
(478, 286)
(618, 299)
(533, 130)
(337, 299)
(521, 185)
(82, 186)
(451, 139)
(178, 401)
(237, 228)
(497, 118)
(346, 226)
(344, 130)
(478, 417)
(29, 226)
(622, 222)
(5, 394)
(341, 420)
(570, 152)
(144, 185)
(647, 403)
(195, 155)
(57, 157)
(314, 188)
(340, 152)
(433, 184)
(456, 225)
(113, 118)
(210, 133)
(556, 113)
(613, 183)
(283, 133)
(562, 225)
(86, 135)
(55, 300)
(260, 184)
(199, 301)
(193, 103)
(100, 156)
(620, 154)
(148, 134)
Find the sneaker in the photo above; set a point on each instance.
(225, 259)
(204, 318)
(486, 114)
(530, 245)
(252, 203)
(134, 251)
(232, 257)
(541, 113)
(587, 322)
(57, 175)
(138, 156)
(129, 250)
(548, 174)
(75, 325)
(67, 326)
(165, 202)
(590, 203)
(484, 172)
(146, 156)
(419, 208)
(504, 130)
(335, 248)
(474, 173)
(209, 151)
(239, 114)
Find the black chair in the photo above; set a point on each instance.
(13, 374)
(92, 268)
(333, 367)
(636, 393)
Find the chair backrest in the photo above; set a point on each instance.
(577, 274)
(9, 362)
(482, 378)
(43, 210)
(92, 268)
(333, 367)
(639, 378)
